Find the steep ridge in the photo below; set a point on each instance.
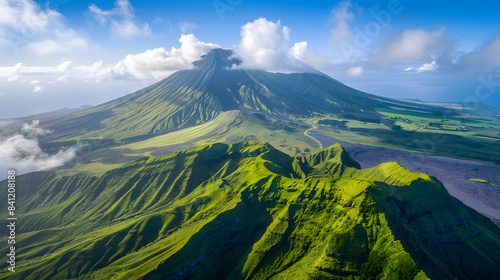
(249, 211)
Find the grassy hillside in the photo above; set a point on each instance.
(199, 106)
(97, 156)
(248, 211)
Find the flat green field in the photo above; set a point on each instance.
(478, 127)
(446, 133)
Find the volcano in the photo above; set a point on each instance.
(176, 183)
(192, 97)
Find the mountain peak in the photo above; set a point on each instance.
(191, 97)
(218, 58)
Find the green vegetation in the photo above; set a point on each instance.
(211, 104)
(482, 181)
(229, 127)
(438, 132)
(248, 211)
(150, 196)
(193, 97)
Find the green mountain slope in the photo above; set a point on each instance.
(248, 211)
(211, 103)
(190, 97)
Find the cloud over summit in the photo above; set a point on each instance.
(264, 46)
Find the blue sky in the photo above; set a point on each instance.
(67, 53)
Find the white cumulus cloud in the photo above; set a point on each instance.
(14, 72)
(38, 89)
(428, 67)
(264, 45)
(121, 18)
(301, 52)
(32, 130)
(160, 63)
(341, 34)
(24, 23)
(412, 45)
(342, 12)
(186, 26)
(154, 64)
(22, 152)
(355, 71)
(487, 57)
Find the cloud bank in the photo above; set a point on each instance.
(152, 64)
(487, 57)
(160, 63)
(412, 45)
(264, 46)
(22, 152)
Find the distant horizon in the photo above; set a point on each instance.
(60, 53)
(83, 106)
